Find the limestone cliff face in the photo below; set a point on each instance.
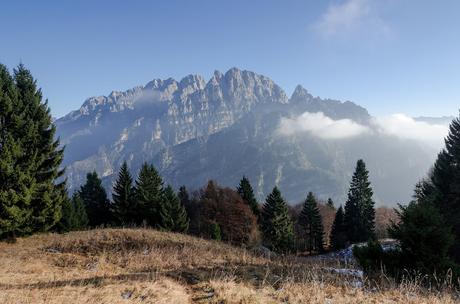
(223, 128)
(140, 122)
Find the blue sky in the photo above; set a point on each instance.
(391, 56)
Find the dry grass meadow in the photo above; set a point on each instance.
(147, 266)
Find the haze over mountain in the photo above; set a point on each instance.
(241, 123)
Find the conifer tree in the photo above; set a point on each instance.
(41, 151)
(149, 195)
(81, 218)
(338, 238)
(67, 220)
(277, 226)
(173, 215)
(442, 188)
(123, 206)
(73, 214)
(359, 208)
(17, 184)
(216, 233)
(94, 197)
(30, 195)
(330, 203)
(424, 238)
(247, 194)
(311, 223)
(183, 196)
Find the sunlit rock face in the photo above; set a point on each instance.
(226, 127)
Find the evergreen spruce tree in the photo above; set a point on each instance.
(277, 227)
(424, 239)
(66, 223)
(94, 197)
(41, 151)
(216, 233)
(173, 215)
(183, 196)
(359, 208)
(442, 188)
(311, 223)
(73, 215)
(81, 218)
(330, 203)
(338, 239)
(17, 184)
(124, 205)
(247, 194)
(149, 195)
(30, 195)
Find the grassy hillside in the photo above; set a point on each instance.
(147, 266)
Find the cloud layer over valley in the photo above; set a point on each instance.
(398, 125)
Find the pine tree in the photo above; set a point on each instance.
(311, 223)
(330, 203)
(94, 197)
(149, 195)
(183, 196)
(67, 220)
(277, 227)
(247, 194)
(81, 218)
(173, 215)
(30, 195)
(424, 238)
(123, 206)
(359, 208)
(42, 153)
(216, 233)
(17, 184)
(73, 215)
(442, 188)
(338, 238)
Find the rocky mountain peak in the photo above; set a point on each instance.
(300, 94)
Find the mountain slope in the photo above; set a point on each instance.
(228, 127)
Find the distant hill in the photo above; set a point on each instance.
(229, 126)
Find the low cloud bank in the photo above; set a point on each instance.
(322, 126)
(406, 127)
(398, 125)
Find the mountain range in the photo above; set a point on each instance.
(240, 123)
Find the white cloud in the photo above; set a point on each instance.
(351, 17)
(397, 125)
(405, 127)
(321, 126)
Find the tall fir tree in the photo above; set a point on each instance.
(149, 195)
(247, 194)
(32, 198)
(277, 226)
(311, 223)
(330, 203)
(338, 239)
(442, 188)
(124, 204)
(95, 200)
(74, 215)
(183, 196)
(424, 239)
(17, 184)
(81, 217)
(359, 208)
(173, 215)
(41, 151)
